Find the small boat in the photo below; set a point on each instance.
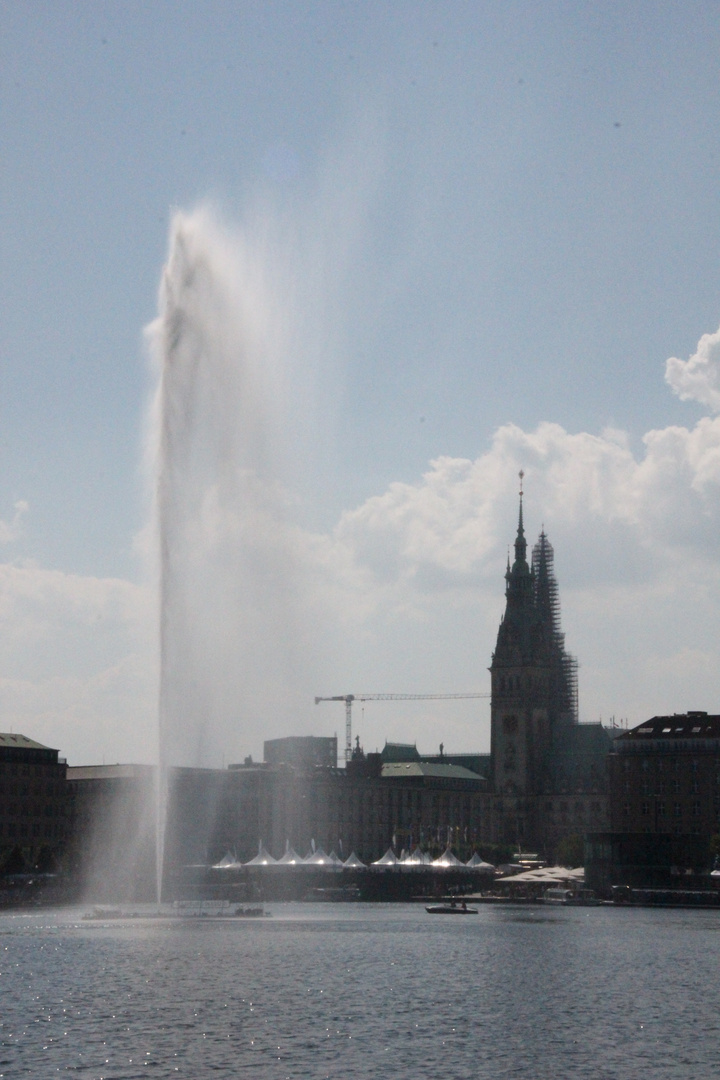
(103, 913)
(452, 908)
(250, 913)
(218, 909)
(577, 898)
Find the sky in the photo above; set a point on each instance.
(486, 237)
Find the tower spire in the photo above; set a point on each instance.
(520, 543)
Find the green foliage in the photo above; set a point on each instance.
(570, 851)
(13, 862)
(497, 853)
(45, 862)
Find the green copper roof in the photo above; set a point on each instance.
(21, 742)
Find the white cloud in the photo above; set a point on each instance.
(698, 379)
(404, 594)
(77, 668)
(11, 530)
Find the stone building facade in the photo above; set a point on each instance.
(548, 770)
(545, 779)
(664, 776)
(365, 808)
(33, 799)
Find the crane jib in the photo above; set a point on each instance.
(349, 698)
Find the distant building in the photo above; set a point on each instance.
(33, 798)
(367, 808)
(111, 834)
(665, 776)
(634, 860)
(302, 750)
(545, 779)
(548, 770)
(399, 752)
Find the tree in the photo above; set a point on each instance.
(45, 862)
(14, 862)
(571, 851)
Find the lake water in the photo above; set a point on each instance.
(355, 990)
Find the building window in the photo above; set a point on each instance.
(661, 809)
(696, 787)
(676, 787)
(677, 809)
(661, 787)
(646, 808)
(626, 809)
(696, 809)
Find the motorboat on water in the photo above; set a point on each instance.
(571, 897)
(452, 908)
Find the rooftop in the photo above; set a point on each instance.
(691, 725)
(400, 752)
(21, 741)
(107, 772)
(397, 769)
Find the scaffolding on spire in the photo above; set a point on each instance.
(547, 605)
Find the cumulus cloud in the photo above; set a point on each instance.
(77, 667)
(698, 379)
(404, 594)
(11, 530)
(415, 573)
(457, 518)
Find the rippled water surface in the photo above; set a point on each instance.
(354, 990)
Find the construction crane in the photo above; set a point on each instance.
(349, 698)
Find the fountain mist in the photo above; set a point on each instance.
(227, 582)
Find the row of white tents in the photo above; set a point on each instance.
(317, 858)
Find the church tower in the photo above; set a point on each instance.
(533, 678)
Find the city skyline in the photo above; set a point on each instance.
(491, 240)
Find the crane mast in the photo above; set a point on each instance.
(349, 698)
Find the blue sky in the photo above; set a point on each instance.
(486, 215)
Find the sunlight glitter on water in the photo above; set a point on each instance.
(324, 990)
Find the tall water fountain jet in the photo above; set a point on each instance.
(224, 541)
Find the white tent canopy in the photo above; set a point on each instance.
(353, 862)
(447, 859)
(290, 858)
(321, 858)
(479, 864)
(548, 875)
(263, 858)
(388, 859)
(228, 862)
